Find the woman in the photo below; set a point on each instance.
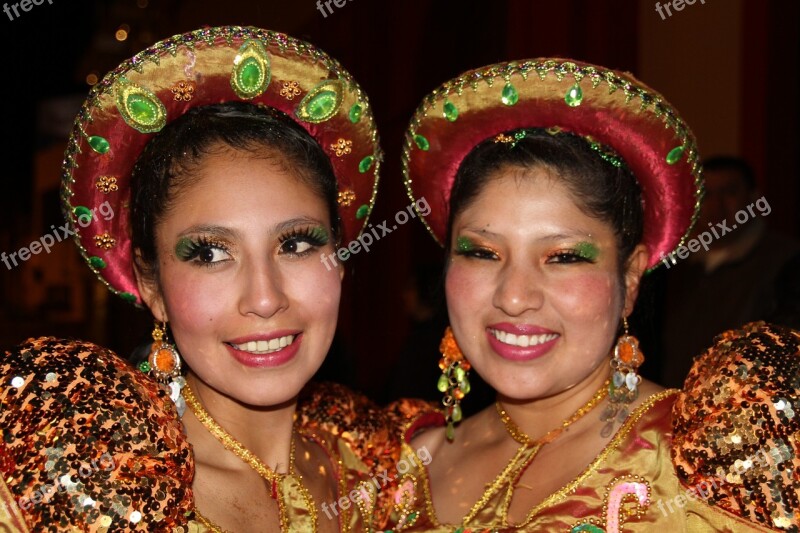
(560, 184)
(230, 159)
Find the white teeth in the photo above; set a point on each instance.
(522, 340)
(262, 347)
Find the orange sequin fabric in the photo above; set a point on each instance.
(88, 443)
(370, 431)
(737, 425)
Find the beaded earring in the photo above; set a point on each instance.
(164, 363)
(454, 381)
(624, 386)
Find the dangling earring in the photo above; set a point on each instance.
(164, 364)
(624, 387)
(453, 382)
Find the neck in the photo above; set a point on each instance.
(539, 416)
(264, 431)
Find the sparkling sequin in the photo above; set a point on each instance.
(732, 424)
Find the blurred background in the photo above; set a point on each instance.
(729, 66)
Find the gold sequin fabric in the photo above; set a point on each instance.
(737, 425)
(372, 432)
(89, 443)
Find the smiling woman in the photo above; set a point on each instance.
(555, 186)
(218, 149)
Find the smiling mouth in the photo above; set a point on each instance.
(265, 347)
(523, 341)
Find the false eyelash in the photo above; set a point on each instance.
(315, 235)
(188, 249)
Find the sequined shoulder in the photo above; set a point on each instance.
(89, 442)
(737, 425)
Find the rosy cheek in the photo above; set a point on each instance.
(589, 296)
(192, 301)
(459, 286)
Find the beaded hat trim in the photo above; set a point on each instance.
(629, 122)
(206, 66)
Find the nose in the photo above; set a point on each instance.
(261, 290)
(518, 289)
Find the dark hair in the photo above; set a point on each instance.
(607, 191)
(165, 166)
(735, 164)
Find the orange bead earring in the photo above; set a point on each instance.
(624, 387)
(454, 381)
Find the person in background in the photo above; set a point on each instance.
(740, 278)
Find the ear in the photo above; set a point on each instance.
(149, 289)
(634, 270)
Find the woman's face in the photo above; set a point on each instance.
(251, 306)
(533, 287)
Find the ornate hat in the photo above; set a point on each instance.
(608, 108)
(203, 67)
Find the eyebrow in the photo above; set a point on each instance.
(224, 232)
(552, 237)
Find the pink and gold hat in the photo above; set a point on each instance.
(209, 66)
(608, 108)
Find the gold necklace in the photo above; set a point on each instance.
(520, 436)
(274, 479)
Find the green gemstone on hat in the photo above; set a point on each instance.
(321, 103)
(141, 109)
(99, 144)
(574, 96)
(675, 155)
(97, 262)
(251, 70)
(365, 163)
(355, 113)
(450, 111)
(422, 142)
(82, 211)
(144, 366)
(443, 383)
(250, 75)
(509, 96)
(128, 297)
(362, 211)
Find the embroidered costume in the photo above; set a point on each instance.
(686, 460)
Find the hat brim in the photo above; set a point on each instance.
(150, 90)
(608, 107)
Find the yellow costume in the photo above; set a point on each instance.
(721, 455)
